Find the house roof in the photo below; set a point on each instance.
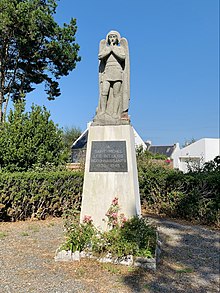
(166, 150)
(81, 142)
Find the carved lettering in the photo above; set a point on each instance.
(108, 156)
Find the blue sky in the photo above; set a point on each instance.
(174, 55)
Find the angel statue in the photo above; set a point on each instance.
(114, 75)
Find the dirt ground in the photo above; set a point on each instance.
(189, 262)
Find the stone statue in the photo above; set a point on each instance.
(114, 81)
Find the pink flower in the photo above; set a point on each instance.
(87, 219)
(123, 218)
(114, 215)
(115, 201)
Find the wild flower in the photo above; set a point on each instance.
(123, 220)
(115, 201)
(114, 215)
(87, 219)
(115, 219)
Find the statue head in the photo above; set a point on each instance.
(113, 35)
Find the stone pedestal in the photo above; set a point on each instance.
(110, 171)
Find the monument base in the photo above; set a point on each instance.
(110, 171)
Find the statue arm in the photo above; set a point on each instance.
(119, 52)
(104, 52)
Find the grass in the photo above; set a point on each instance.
(24, 234)
(80, 272)
(3, 234)
(50, 224)
(185, 270)
(111, 268)
(146, 286)
(131, 269)
(33, 228)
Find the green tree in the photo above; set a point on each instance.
(212, 166)
(34, 49)
(188, 142)
(70, 134)
(30, 139)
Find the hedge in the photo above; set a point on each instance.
(192, 196)
(38, 194)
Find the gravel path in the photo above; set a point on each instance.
(190, 259)
(189, 262)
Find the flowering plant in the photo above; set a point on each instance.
(87, 220)
(132, 236)
(114, 218)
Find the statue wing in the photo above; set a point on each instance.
(126, 77)
(101, 63)
(101, 70)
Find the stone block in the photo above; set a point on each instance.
(63, 255)
(110, 171)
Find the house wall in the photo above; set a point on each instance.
(212, 148)
(196, 154)
(139, 141)
(176, 150)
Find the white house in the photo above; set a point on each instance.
(196, 154)
(138, 140)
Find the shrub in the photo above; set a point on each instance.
(192, 196)
(201, 198)
(38, 194)
(132, 236)
(152, 183)
(30, 139)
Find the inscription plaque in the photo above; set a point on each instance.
(108, 156)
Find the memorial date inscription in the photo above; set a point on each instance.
(108, 156)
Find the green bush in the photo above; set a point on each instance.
(192, 196)
(152, 182)
(30, 139)
(38, 194)
(201, 198)
(136, 237)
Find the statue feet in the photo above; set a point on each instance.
(113, 119)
